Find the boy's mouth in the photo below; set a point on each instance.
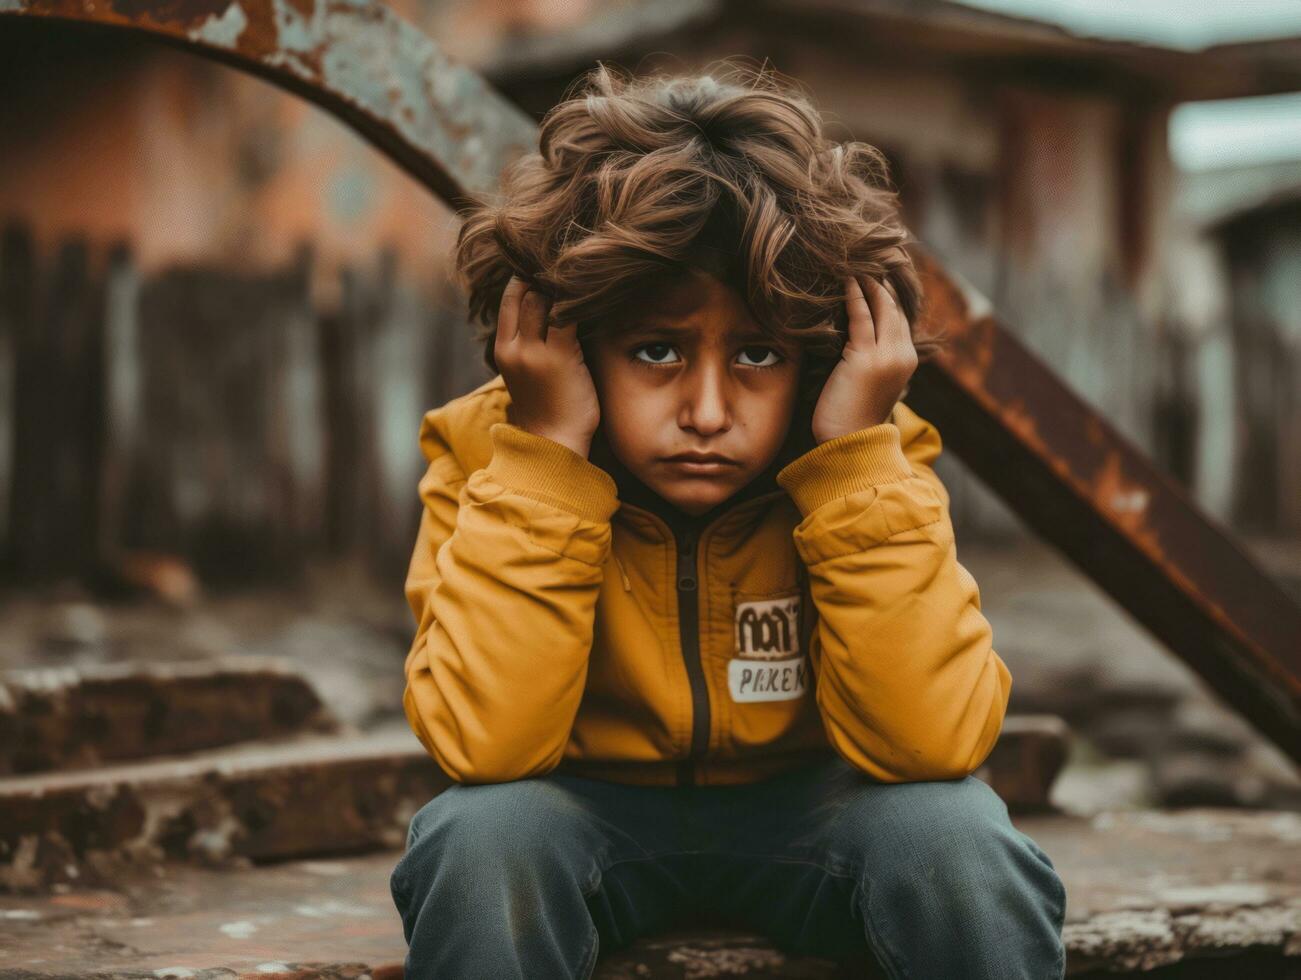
(701, 464)
(700, 458)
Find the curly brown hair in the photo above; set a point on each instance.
(638, 179)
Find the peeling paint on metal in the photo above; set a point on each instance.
(223, 31)
(356, 66)
(294, 31)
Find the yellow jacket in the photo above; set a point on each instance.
(567, 621)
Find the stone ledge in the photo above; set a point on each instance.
(74, 718)
(261, 801)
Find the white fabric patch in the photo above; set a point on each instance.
(768, 665)
(766, 680)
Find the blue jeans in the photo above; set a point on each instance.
(533, 878)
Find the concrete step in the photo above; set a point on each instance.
(1030, 752)
(1192, 893)
(262, 800)
(73, 718)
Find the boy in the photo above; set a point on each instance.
(692, 638)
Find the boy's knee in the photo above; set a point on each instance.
(935, 811)
(493, 880)
(945, 853)
(478, 828)
(951, 833)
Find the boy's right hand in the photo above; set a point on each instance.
(551, 389)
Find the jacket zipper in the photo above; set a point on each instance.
(689, 630)
(627, 585)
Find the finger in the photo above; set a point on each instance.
(533, 317)
(862, 332)
(891, 324)
(508, 313)
(563, 334)
(883, 310)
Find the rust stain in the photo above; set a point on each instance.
(260, 38)
(182, 13)
(1125, 500)
(1094, 432)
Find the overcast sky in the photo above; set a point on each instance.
(1174, 23)
(1202, 134)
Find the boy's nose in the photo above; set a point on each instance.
(706, 407)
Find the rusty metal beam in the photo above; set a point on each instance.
(356, 59)
(1084, 487)
(1068, 473)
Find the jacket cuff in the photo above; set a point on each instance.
(844, 465)
(541, 468)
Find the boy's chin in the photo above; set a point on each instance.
(696, 503)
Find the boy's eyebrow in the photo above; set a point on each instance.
(648, 325)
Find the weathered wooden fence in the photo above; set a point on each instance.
(214, 415)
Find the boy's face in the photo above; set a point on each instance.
(691, 372)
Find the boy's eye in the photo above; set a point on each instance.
(769, 350)
(658, 351)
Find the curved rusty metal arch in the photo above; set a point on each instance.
(441, 122)
(1060, 465)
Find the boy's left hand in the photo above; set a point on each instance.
(874, 367)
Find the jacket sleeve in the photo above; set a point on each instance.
(907, 680)
(503, 584)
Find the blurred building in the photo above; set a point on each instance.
(277, 315)
(1240, 237)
